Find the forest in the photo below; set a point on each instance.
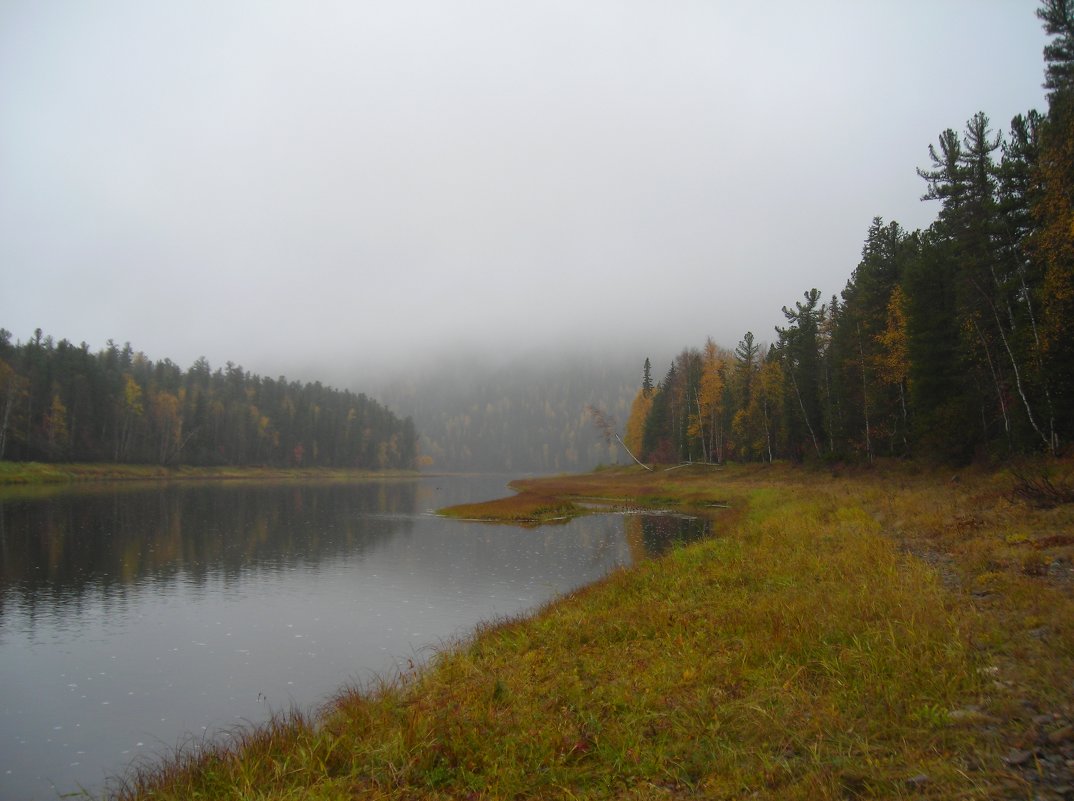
(950, 343)
(62, 402)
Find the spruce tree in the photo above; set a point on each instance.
(799, 345)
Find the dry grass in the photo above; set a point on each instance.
(872, 636)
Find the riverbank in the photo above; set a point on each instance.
(32, 473)
(885, 634)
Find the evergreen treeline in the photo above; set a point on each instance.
(60, 402)
(948, 342)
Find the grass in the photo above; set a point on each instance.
(875, 635)
(33, 473)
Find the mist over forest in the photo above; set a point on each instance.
(524, 414)
(459, 217)
(355, 190)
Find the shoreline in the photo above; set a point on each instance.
(15, 474)
(895, 631)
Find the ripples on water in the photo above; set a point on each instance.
(132, 618)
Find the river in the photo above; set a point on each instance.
(138, 619)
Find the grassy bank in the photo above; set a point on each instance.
(30, 473)
(881, 635)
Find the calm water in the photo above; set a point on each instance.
(132, 619)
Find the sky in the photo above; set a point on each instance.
(324, 189)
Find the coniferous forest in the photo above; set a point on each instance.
(61, 402)
(948, 343)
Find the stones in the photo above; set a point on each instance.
(1018, 757)
(970, 716)
(917, 782)
(1048, 764)
(1061, 735)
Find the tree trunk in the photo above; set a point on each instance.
(865, 399)
(905, 419)
(9, 403)
(767, 432)
(1048, 441)
(701, 426)
(995, 381)
(801, 405)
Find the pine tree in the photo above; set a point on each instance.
(658, 442)
(942, 407)
(743, 423)
(799, 346)
(872, 409)
(647, 378)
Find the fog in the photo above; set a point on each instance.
(326, 190)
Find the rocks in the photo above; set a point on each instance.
(917, 782)
(970, 716)
(1017, 758)
(1061, 735)
(1043, 758)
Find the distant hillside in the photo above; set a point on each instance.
(525, 416)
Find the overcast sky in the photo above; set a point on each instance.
(288, 185)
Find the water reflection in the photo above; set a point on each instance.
(54, 552)
(652, 535)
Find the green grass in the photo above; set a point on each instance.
(807, 651)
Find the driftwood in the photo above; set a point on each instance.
(632, 456)
(691, 464)
(606, 424)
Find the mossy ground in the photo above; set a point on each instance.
(886, 634)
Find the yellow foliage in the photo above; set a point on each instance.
(132, 396)
(893, 361)
(713, 372)
(56, 424)
(707, 411)
(635, 427)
